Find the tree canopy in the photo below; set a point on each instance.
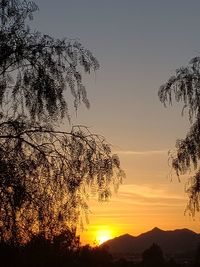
(153, 256)
(184, 87)
(36, 69)
(46, 171)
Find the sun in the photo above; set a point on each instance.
(102, 235)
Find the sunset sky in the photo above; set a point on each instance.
(139, 44)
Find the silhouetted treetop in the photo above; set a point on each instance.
(46, 172)
(36, 69)
(153, 257)
(184, 87)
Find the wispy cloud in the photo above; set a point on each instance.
(141, 153)
(142, 197)
(147, 191)
(139, 207)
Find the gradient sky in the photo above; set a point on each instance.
(139, 44)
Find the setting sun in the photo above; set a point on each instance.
(103, 235)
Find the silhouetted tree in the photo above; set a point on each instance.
(153, 257)
(184, 87)
(197, 257)
(94, 257)
(122, 262)
(45, 171)
(172, 263)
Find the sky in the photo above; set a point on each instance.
(139, 44)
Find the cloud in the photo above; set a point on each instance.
(147, 191)
(134, 198)
(139, 207)
(141, 153)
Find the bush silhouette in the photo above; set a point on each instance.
(153, 257)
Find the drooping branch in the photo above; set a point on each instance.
(184, 87)
(37, 69)
(46, 173)
(52, 168)
(193, 191)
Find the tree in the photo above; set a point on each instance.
(153, 257)
(46, 172)
(197, 256)
(184, 87)
(94, 256)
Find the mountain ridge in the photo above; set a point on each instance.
(171, 241)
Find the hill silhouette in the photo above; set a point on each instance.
(179, 241)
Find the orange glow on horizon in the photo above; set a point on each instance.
(103, 234)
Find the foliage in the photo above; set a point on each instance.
(45, 253)
(153, 257)
(36, 69)
(46, 172)
(197, 257)
(184, 87)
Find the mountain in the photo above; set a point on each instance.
(176, 241)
